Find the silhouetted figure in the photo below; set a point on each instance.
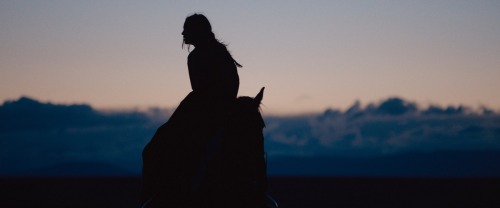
(199, 158)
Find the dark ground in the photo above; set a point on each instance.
(290, 192)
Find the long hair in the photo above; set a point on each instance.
(204, 29)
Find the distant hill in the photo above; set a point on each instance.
(447, 164)
(77, 169)
(435, 164)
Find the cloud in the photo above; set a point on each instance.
(36, 136)
(28, 114)
(303, 97)
(450, 110)
(395, 106)
(390, 127)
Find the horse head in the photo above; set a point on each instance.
(247, 110)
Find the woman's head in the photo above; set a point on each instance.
(198, 32)
(197, 29)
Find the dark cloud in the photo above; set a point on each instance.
(28, 114)
(35, 135)
(51, 137)
(450, 110)
(395, 106)
(389, 127)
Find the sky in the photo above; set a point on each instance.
(310, 55)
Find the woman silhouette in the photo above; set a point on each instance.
(175, 158)
(212, 69)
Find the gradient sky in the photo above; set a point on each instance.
(310, 55)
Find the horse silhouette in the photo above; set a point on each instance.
(192, 164)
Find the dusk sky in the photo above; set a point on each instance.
(310, 55)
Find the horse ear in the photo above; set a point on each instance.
(259, 96)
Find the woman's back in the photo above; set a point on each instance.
(212, 71)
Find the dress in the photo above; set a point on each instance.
(173, 159)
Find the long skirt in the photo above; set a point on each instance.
(174, 156)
